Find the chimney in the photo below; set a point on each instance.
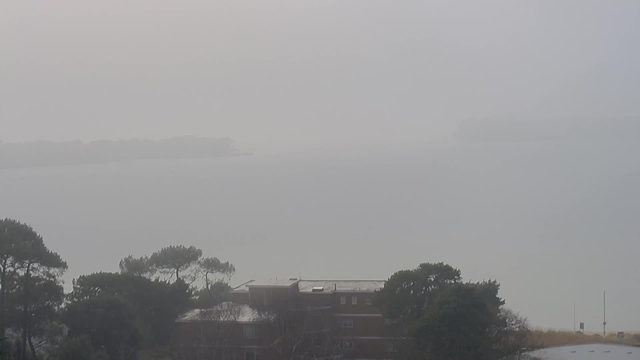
(335, 287)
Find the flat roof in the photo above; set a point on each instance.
(271, 283)
(306, 286)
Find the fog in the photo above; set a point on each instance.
(499, 137)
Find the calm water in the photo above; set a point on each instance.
(588, 352)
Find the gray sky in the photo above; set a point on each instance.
(309, 73)
(351, 108)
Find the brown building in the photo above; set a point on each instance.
(291, 319)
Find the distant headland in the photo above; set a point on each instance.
(48, 153)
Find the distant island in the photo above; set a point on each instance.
(48, 153)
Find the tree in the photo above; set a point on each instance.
(41, 263)
(175, 259)
(174, 302)
(11, 256)
(512, 335)
(211, 266)
(43, 311)
(25, 262)
(78, 348)
(109, 322)
(214, 273)
(156, 303)
(456, 326)
(407, 292)
(213, 295)
(448, 319)
(137, 266)
(74, 348)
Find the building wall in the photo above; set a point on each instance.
(363, 326)
(349, 308)
(368, 332)
(317, 299)
(241, 297)
(369, 337)
(265, 297)
(206, 340)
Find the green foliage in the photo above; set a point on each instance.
(47, 298)
(74, 348)
(108, 315)
(456, 326)
(175, 259)
(78, 348)
(451, 320)
(156, 303)
(407, 292)
(213, 295)
(14, 235)
(210, 266)
(512, 334)
(29, 282)
(175, 301)
(109, 322)
(20, 242)
(101, 354)
(488, 291)
(125, 285)
(137, 266)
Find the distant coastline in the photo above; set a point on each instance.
(49, 153)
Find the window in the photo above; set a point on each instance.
(343, 300)
(368, 301)
(354, 300)
(348, 345)
(250, 332)
(251, 355)
(347, 323)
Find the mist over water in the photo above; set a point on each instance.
(555, 222)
